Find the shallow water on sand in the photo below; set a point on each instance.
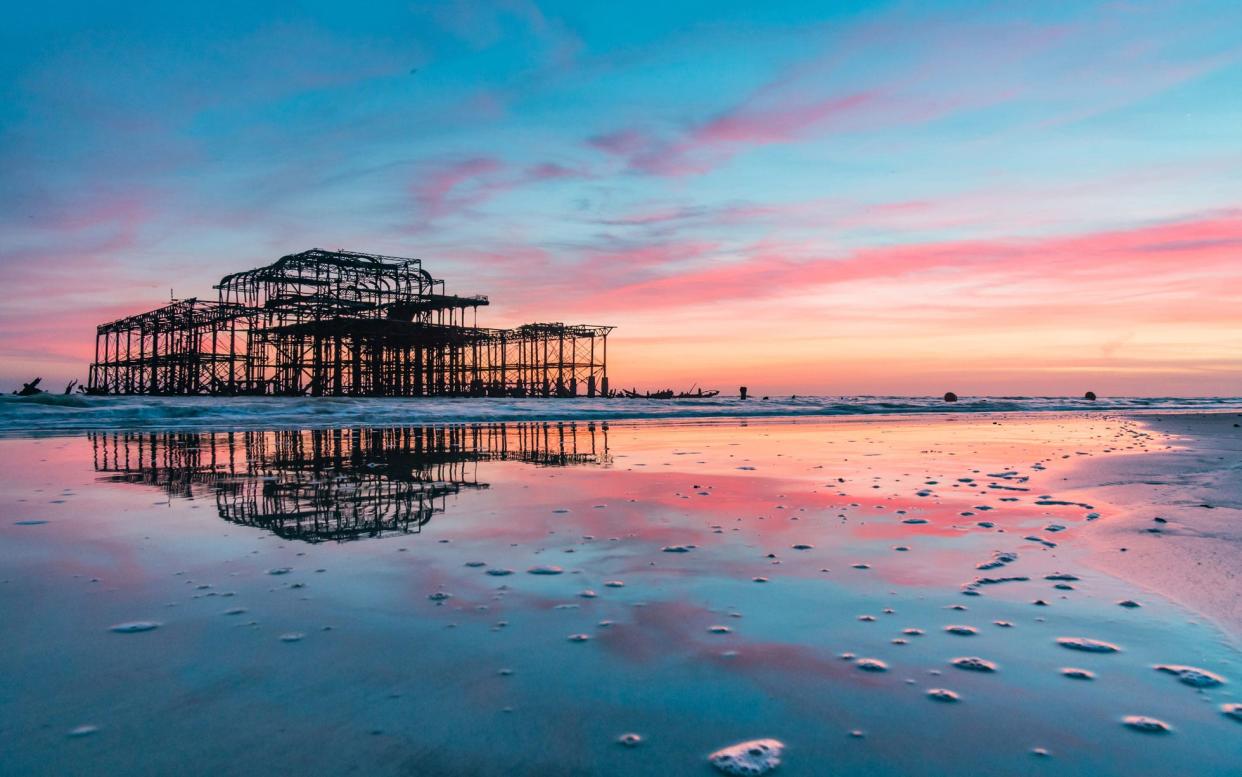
(513, 599)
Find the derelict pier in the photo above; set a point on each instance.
(342, 323)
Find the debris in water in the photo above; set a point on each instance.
(630, 739)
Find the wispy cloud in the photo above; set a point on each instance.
(1201, 246)
(455, 187)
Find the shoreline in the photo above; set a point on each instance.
(1175, 523)
(45, 416)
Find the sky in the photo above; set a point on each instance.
(829, 198)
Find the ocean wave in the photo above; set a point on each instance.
(53, 413)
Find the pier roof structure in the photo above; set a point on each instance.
(342, 323)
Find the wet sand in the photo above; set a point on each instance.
(891, 596)
(1194, 554)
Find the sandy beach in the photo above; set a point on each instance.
(1178, 513)
(890, 595)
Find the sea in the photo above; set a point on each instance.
(59, 414)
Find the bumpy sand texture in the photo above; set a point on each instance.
(759, 756)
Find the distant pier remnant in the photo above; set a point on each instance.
(30, 389)
(950, 397)
(342, 323)
(1089, 395)
(741, 392)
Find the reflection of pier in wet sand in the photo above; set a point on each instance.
(337, 484)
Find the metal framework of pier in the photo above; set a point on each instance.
(341, 323)
(337, 484)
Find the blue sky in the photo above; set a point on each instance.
(742, 188)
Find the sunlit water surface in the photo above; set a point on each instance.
(362, 599)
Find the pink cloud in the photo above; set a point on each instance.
(456, 186)
(944, 69)
(538, 287)
(771, 270)
(764, 119)
(781, 124)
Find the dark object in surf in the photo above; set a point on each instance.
(633, 394)
(700, 394)
(1089, 395)
(30, 389)
(742, 394)
(950, 397)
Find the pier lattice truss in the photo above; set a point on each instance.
(341, 323)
